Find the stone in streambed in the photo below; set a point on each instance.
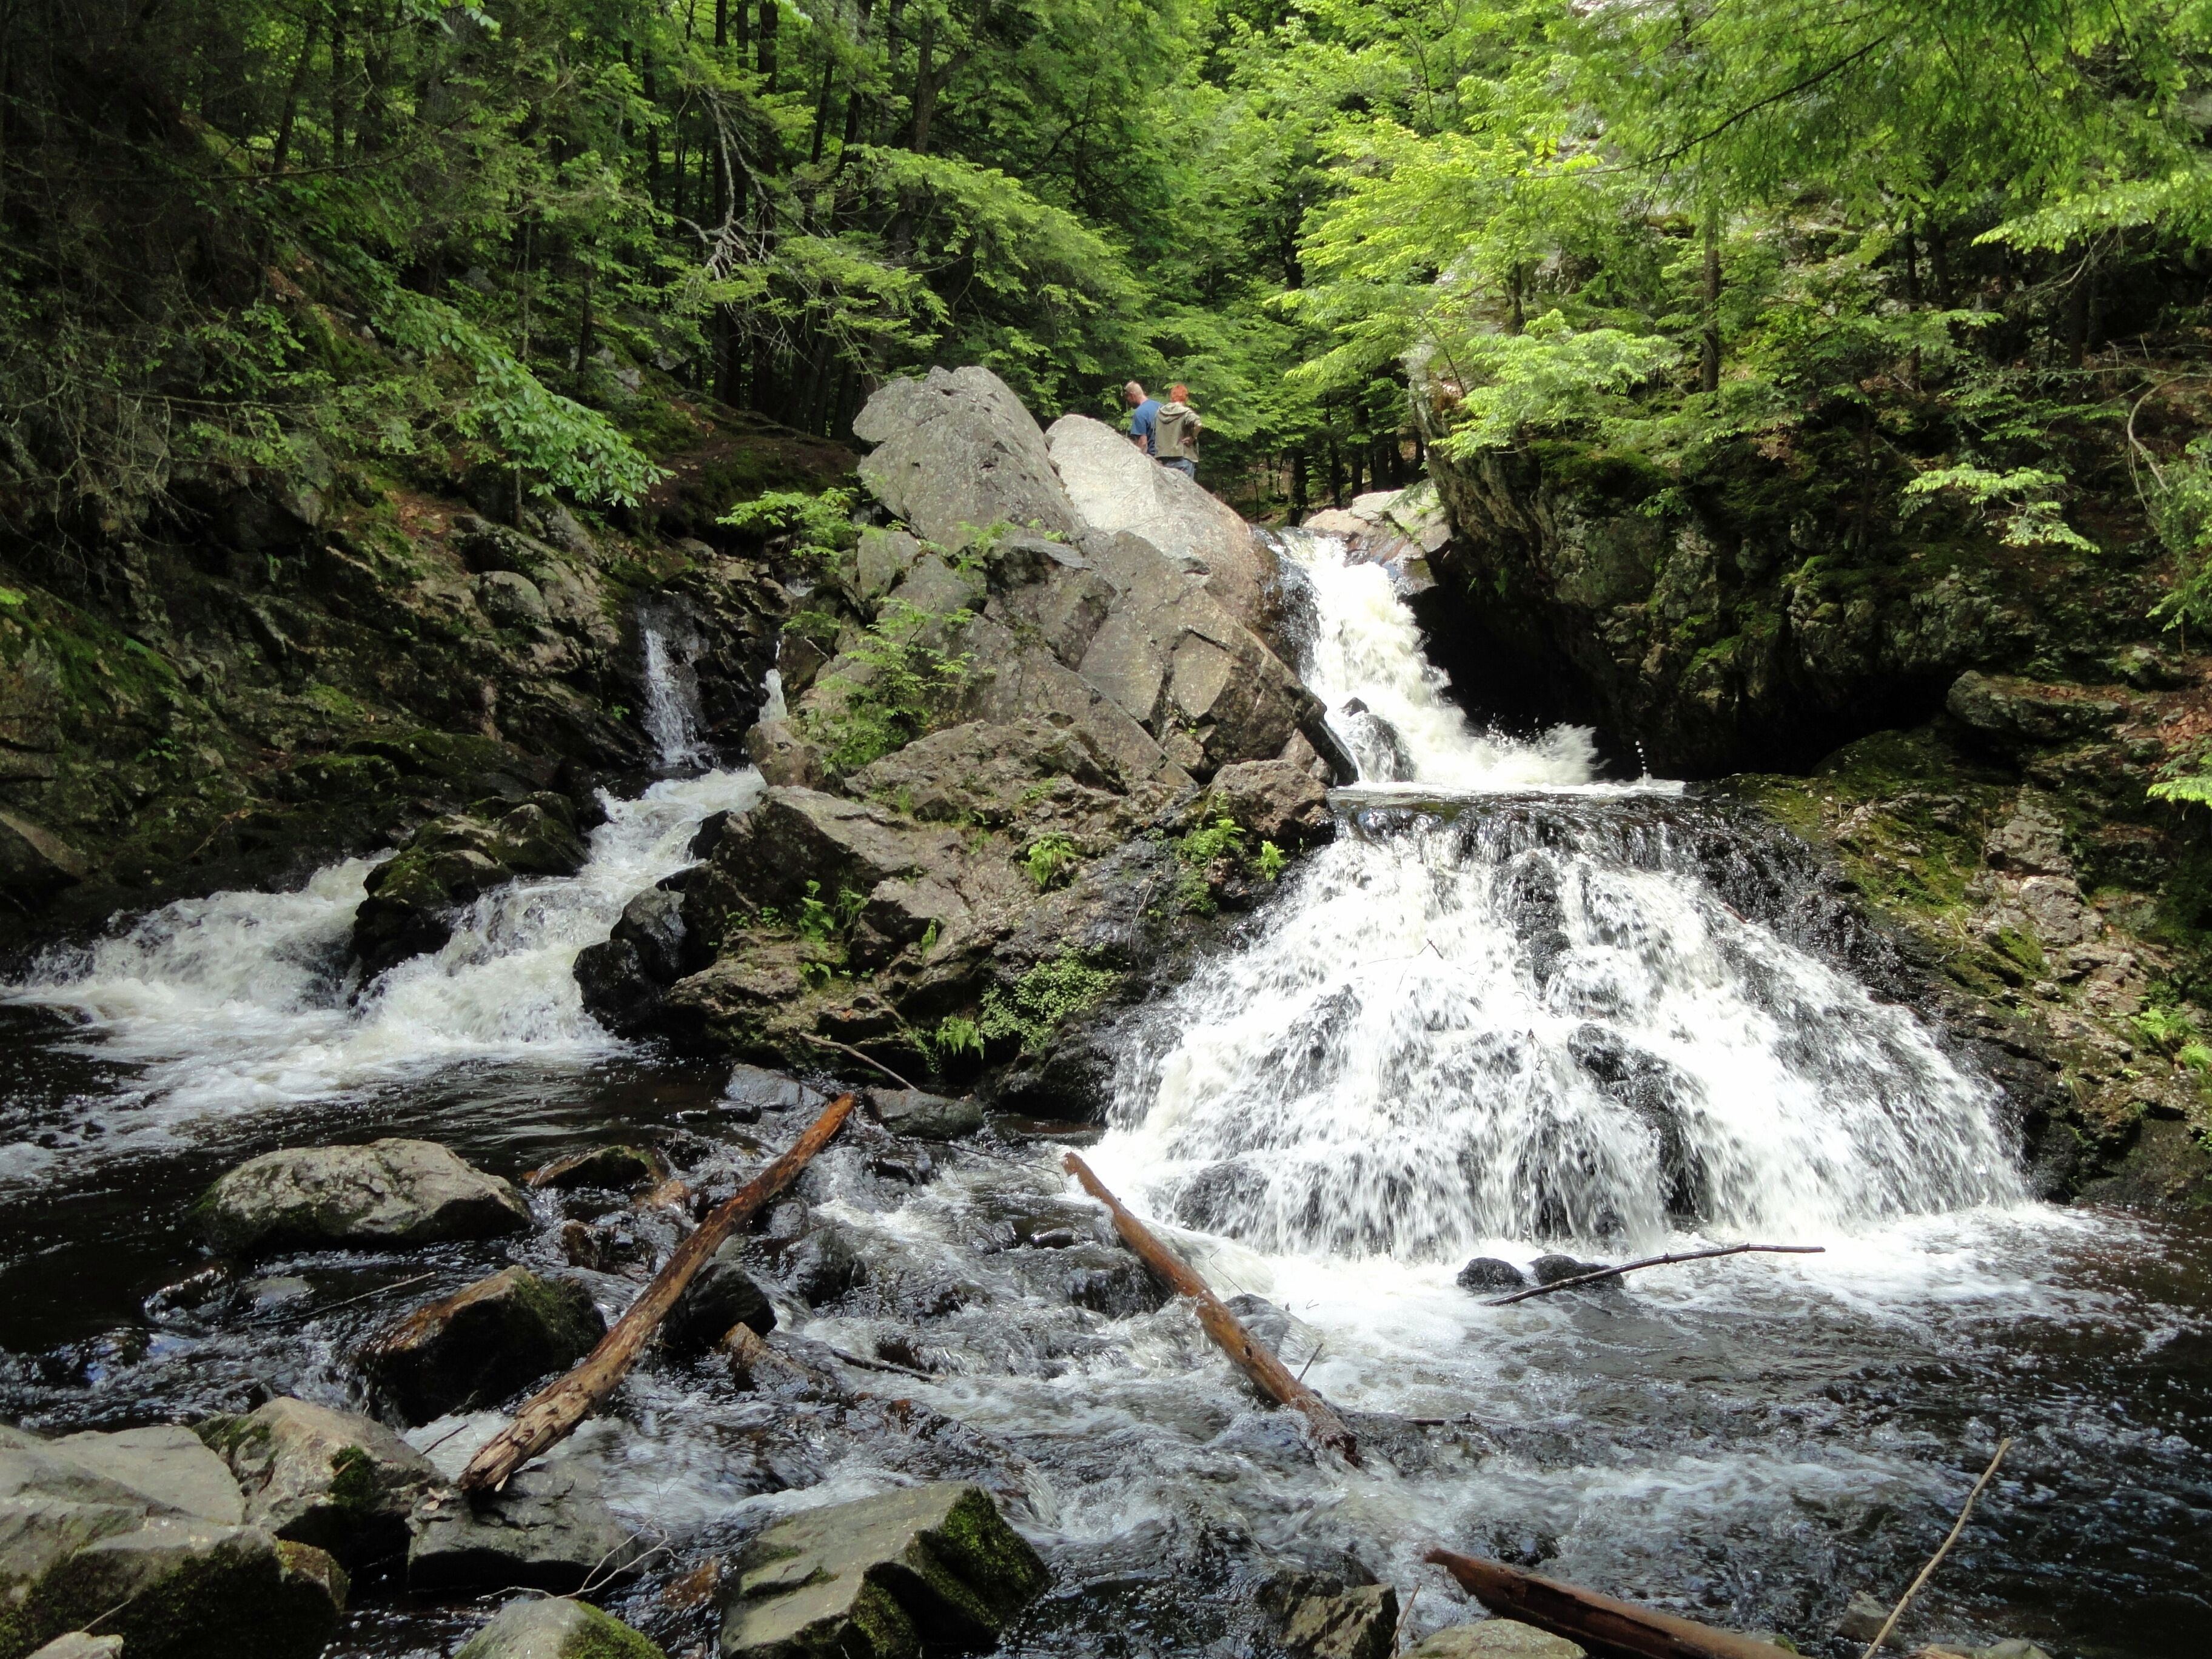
(1488, 1273)
(1495, 1638)
(1362, 1623)
(1552, 1269)
(548, 1528)
(619, 1167)
(386, 1194)
(481, 1344)
(721, 1296)
(448, 862)
(932, 1567)
(554, 1627)
(923, 1116)
(341, 1482)
(140, 1532)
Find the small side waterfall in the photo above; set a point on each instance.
(1531, 1020)
(671, 713)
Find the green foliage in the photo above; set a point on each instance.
(2165, 1027)
(954, 1035)
(819, 526)
(1272, 861)
(1035, 1005)
(826, 920)
(1050, 857)
(1198, 850)
(886, 703)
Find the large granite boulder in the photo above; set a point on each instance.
(481, 1344)
(556, 1627)
(956, 453)
(141, 1532)
(1114, 487)
(339, 1481)
(548, 1528)
(448, 862)
(931, 1568)
(385, 1194)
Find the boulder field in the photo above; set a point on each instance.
(1042, 719)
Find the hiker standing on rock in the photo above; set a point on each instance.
(1175, 432)
(1143, 423)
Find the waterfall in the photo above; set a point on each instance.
(1532, 1019)
(672, 717)
(234, 1005)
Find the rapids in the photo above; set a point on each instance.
(1511, 1009)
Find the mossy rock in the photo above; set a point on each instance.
(481, 1344)
(556, 1627)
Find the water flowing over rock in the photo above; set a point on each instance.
(386, 1192)
(449, 862)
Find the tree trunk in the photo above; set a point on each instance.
(337, 85)
(1709, 343)
(282, 151)
(822, 109)
(769, 15)
(1268, 1373)
(553, 1413)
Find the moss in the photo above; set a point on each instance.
(604, 1636)
(353, 1484)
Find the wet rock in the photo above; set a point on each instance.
(481, 1344)
(1111, 1282)
(556, 1627)
(1528, 892)
(1275, 800)
(923, 1116)
(722, 1295)
(1551, 1269)
(624, 977)
(823, 1265)
(788, 1367)
(1361, 1623)
(77, 1644)
(548, 1528)
(956, 453)
(140, 1533)
(1495, 1638)
(932, 1567)
(262, 1296)
(1487, 1274)
(450, 861)
(1863, 1618)
(386, 1194)
(612, 1246)
(341, 1482)
(619, 1167)
(771, 1091)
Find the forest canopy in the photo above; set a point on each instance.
(242, 234)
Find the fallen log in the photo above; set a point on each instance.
(1268, 1373)
(1598, 1622)
(553, 1413)
(1655, 1261)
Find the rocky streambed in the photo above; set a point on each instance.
(305, 1189)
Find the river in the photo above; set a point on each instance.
(1513, 1008)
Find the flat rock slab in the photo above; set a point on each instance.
(1495, 1638)
(166, 1466)
(554, 1627)
(548, 1529)
(933, 1567)
(77, 1644)
(386, 1192)
(341, 1482)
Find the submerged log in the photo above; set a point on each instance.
(1268, 1373)
(1656, 1261)
(1598, 1622)
(553, 1413)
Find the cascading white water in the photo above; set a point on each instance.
(238, 1003)
(671, 714)
(1536, 1020)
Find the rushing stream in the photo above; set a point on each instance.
(1509, 1011)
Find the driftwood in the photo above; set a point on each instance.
(1598, 1622)
(1268, 1373)
(1936, 1559)
(1655, 1261)
(553, 1413)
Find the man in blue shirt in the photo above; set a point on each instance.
(1144, 425)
